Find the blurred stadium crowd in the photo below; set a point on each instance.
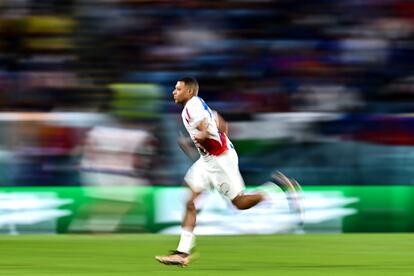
(82, 64)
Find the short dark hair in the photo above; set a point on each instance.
(191, 83)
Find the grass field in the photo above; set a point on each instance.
(312, 254)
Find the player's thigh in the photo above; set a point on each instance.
(197, 178)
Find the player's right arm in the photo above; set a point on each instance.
(187, 146)
(202, 127)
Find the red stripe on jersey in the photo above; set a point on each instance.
(188, 114)
(214, 147)
(187, 118)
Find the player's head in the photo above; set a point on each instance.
(185, 89)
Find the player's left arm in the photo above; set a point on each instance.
(222, 125)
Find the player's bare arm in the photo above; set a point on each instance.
(187, 146)
(203, 126)
(203, 133)
(222, 125)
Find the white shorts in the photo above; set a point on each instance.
(219, 172)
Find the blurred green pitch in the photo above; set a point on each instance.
(133, 254)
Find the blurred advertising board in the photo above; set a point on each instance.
(160, 209)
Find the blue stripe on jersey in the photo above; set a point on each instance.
(205, 106)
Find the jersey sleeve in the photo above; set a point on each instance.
(195, 112)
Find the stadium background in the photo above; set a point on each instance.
(321, 90)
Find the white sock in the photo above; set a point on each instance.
(187, 241)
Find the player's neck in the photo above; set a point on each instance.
(184, 103)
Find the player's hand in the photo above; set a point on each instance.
(201, 137)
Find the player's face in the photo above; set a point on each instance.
(181, 93)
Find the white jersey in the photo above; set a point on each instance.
(196, 110)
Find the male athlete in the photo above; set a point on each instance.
(217, 165)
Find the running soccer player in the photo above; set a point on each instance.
(217, 166)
